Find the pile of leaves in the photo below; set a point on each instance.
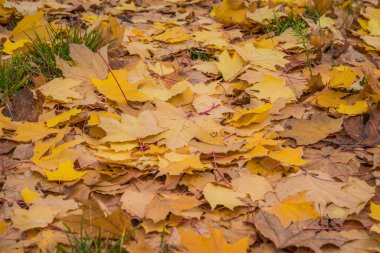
(239, 126)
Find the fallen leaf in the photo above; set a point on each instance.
(375, 211)
(216, 243)
(182, 127)
(262, 57)
(296, 234)
(173, 35)
(362, 130)
(163, 204)
(62, 90)
(321, 189)
(229, 66)
(288, 156)
(65, 172)
(28, 131)
(10, 47)
(29, 195)
(129, 128)
(216, 194)
(36, 217)
(255, 186)
(272, 88)
(95, 220)
(309, 131)
(247, 117)
(117, 87)
(30, 26)
(294, 208)
(25, 106)
(87, 64)
(175, 164)
(359, 107)
(342, 77)
(63, 117)
(230, 11)
(135, 202)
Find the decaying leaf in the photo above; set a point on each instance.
(307, 132)
(297, 234)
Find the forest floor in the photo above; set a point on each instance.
(190, 126)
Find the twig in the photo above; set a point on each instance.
(114, 77)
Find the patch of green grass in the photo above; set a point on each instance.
(16, 72)
(312, 13)
(299, 30)
(14, 76)
(83, 243)
(201, 54)
(297, 25)
(42, 52)
(279, 25)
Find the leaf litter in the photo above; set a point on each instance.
(234, 126)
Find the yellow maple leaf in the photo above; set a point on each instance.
(10, 47)
(58, 154)
(94, 119)
(163, 203)
(265, 13)
(65, 172)
(29, 195)
(197, 243)
(358, 108)
(173, 35)
(161, 69)
(229, 66)
(273, 88)
(36, 217)
(294, 208)
(375, 211)
(230, 11)
(62, 89)
(330, 98)
(342, 77)
(63, 117)
(288, 156)
(216, 194)
(157, 90)
(30, 131)
(264, 57)
(247, 117)
(181, 127)
(117, 87)
(246, 182)
(126, 7)
(3, 226)
(175, 164)
(373, 41)
(129, 128)
(30, 26)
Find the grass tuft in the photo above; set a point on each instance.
(16, 72)
(42, 52)
(14, 76)
(200, 54)
(83, 243)
(297, 25)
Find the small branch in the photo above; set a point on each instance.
(209, 110)
(114, 77)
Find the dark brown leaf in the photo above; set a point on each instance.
(296, 235)
(24, 107)
(364, 130)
